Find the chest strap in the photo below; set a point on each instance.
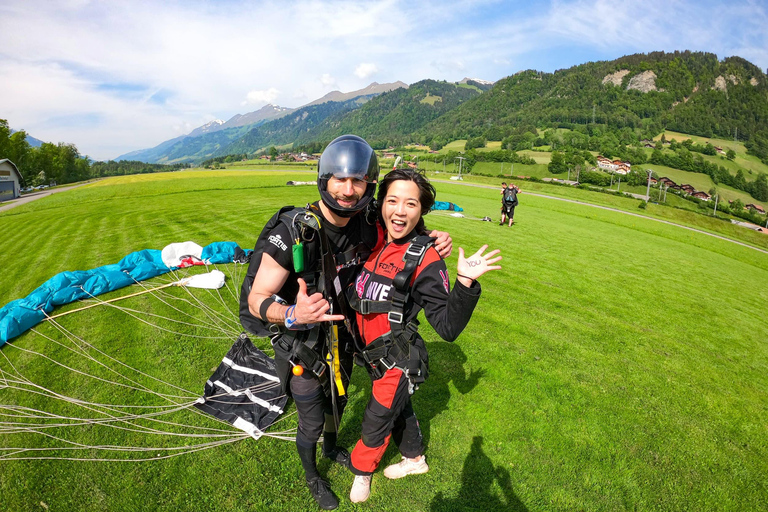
(394, 347)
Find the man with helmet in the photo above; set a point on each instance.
(296, 302)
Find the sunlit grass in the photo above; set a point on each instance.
(614, 363)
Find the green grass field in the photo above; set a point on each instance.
(615, 363)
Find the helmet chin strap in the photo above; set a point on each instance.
(332, 205)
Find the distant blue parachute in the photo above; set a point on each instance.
(445, 205)
(20, 315)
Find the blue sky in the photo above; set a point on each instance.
(116, 76)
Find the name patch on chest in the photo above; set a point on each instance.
(371, 290)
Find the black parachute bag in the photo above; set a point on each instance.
(244, 390)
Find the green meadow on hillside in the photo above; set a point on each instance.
(615, 362)
(743, 160)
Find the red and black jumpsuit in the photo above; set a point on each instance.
(389, 412)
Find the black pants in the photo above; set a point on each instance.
(314, 406)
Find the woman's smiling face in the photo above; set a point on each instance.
(401, 209)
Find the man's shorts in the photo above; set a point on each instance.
(508, 208)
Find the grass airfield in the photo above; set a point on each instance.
(614, 363)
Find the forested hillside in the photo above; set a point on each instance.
(389, 118)
(683, 91)
(394, 116)
(291, 128)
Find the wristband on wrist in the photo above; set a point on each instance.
(290, 319)
(264, 307)
(466, 277)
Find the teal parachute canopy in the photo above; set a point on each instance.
(20, 315)
(445, 205)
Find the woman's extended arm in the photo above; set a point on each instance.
(469, 269)
(448, 311)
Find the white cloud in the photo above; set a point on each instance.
(113, 77)
(327, 80)
(261, 97)
(365, 70)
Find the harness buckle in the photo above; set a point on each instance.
(395, 317)
(318, 368)
(415, 250)
(387, 366)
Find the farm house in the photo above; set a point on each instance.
(10, 180)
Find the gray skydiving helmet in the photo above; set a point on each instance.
(348, 156)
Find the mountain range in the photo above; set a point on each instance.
(200, 143)
(690, 92)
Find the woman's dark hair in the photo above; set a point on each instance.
(427, 192)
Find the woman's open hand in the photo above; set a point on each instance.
(472, 267)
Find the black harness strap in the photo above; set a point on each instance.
(394, 348)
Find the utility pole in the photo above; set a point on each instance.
(648, 188)
(665, 193)
(717, 196)
(578, 173)
(618, 187)
(461, 163)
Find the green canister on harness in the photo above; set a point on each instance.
(298, 257)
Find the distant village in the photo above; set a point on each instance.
(606, 164)
(623, 168)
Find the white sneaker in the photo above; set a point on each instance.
(361, 489)
(407, 467)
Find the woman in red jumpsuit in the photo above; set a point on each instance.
(404, 198)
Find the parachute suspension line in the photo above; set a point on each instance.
(234, 277)
(181, 450)
(71, 336)
(16, 428)
(129, 418)
(212, 324)
(112, 419)
(131, 312)
(100, 302)
(225, 323)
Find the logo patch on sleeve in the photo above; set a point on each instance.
(277, 241)
(447, 286)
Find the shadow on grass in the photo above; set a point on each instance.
(476, 491)
(446, 365)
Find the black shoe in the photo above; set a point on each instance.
(338, 455)
(323, 494)
(501, 223)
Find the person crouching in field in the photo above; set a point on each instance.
(508, 202)
(398, 280)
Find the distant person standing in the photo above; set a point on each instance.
(508, 202)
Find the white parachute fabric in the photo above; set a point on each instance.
(211, 281)
(182, 254)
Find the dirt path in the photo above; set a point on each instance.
(26, 198)
(492, 187)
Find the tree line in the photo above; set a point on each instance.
(62, 163)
